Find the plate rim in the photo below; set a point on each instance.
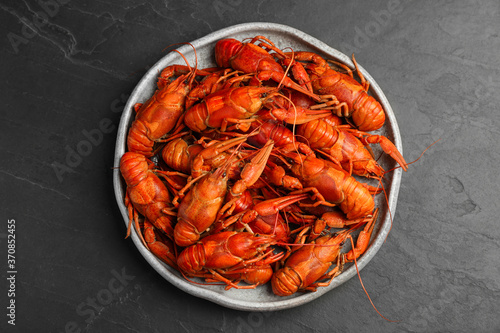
(211, 295)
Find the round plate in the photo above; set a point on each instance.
(261, 298)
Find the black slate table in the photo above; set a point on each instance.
(67, 69)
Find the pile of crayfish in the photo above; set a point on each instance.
(258, 169)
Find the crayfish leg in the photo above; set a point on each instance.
(133, 216)
(364, 83)
(320, 199)
(363, 239)
(329, 275)
(160, 246)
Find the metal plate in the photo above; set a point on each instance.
(261, 298)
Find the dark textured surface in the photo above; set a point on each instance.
(67, 80)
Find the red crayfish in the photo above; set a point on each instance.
(257, 170)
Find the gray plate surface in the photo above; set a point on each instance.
(262, 298)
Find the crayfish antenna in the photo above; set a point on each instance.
(363, 286)
(422, 154)
(193, 71)
(193, 74)
(397, 167)
(286, 72)
(390, 215)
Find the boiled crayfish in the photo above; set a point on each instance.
(243, 174)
